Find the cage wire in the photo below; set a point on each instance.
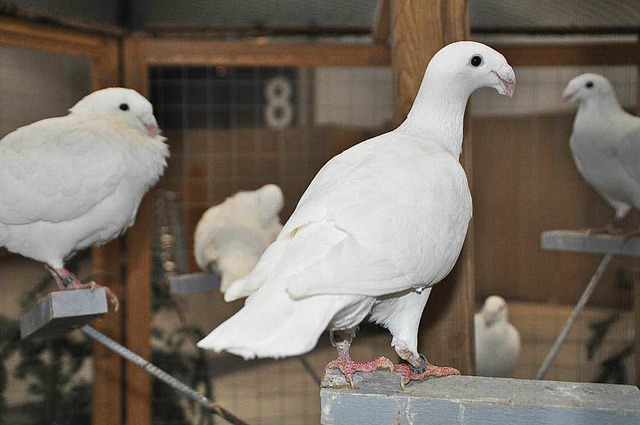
(235, 128)
(525, 141)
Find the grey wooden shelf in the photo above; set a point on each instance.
(61, 312)
(471, 400)
(582, 241)
(194, 282)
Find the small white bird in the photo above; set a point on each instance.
(605, 144)
(497, 340)
(231, 237)
(71, 182)
(379, 225)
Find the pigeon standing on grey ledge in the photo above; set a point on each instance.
(71, 182)
(605, 144)
(497, 340)
(379, 225)
(230, 237)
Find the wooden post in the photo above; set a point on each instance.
(419, 30)
(137, 303)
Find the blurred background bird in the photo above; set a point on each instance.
(76, 181)
(497, 340)
(605, 144)
(230, 237)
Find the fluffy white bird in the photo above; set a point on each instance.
(71, 182)
(231, 237)
(497, 340)
(379, 225)
(605, 144)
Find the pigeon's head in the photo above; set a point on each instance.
(270, 201)
(494, 310)
(473, 65)
(127, 104)
(586, 87)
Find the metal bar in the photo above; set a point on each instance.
(573, 316)
(160, 374)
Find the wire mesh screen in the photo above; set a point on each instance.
(525, 182)
(237, 128)
(41, 381)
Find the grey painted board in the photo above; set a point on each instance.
(194, 282)
(581, 241)
(471, 400)
(61, 312)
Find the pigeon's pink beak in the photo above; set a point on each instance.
(152, 130)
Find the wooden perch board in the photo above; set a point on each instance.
(379, 399)
(582, 241)
(61, 312)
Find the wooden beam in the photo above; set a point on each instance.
(569, 55)
(185, 52)
(381, 30)
(137, 305)
(419, 30)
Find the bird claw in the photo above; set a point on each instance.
(348, 367)
(407, 374)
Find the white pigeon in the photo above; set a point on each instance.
(379, 225)
(71, 182)
(497, 340)
(605, 144)
(231, 237)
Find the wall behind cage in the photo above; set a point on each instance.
(525, 182)
(238, 128)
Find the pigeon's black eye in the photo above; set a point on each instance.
(124, 107)
(589, 84)
(476, 61)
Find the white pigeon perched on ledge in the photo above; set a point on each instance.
(379, 225)
(71, 182)
(230, 237)
(497, 340)
(605, 144)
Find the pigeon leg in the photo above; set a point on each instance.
(418, 368)
(67, 280)
(341, 340)
(613, 227)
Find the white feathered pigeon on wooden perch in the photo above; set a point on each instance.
(497, 340)
(379, 225)
(605, 144)
(72, 182)
(231, 237)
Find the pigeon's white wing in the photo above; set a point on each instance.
(57, 169)
(628, 146)
(410, 238)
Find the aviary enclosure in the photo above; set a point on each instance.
(242, 107)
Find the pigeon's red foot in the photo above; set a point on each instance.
(348, 367)
(613, 227)
(631, 234)
(67, 280)
(408, 374)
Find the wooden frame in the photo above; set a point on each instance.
(103, 52)
(140, 53)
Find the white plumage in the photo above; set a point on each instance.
(231, 237)
(497, 340)
(378, 226)
(605, 144)
(72, 182)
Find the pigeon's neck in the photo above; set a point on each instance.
(600, 108)
(437, 114)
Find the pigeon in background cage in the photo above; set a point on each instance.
(497, 341)
(72, 182)
(605, 144)
(379, 225)
(230, 237)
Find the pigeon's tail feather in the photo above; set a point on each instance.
(278, 328)
(237, 289)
